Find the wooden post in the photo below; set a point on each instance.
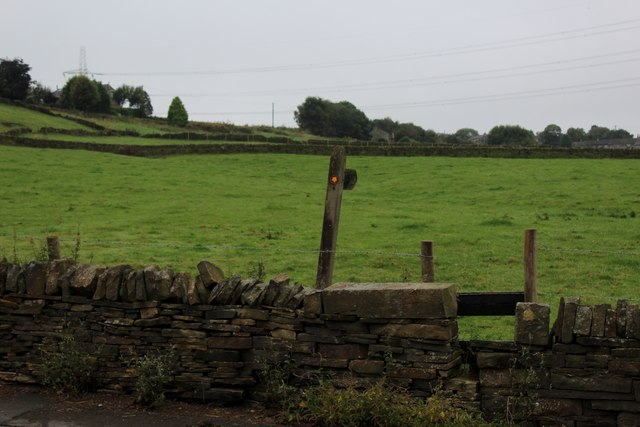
(332, 205)
(428, 267)
(53, 247)
(530, 275)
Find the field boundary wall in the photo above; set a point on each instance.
(325, 149)
(223, 332)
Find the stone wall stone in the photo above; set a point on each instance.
(223, 331)
(586, 372)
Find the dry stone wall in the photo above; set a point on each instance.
(224, 331)
(585, 372)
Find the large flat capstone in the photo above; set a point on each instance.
(391, 300)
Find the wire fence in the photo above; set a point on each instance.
(181, 245)
(543, 248)
(71, 240)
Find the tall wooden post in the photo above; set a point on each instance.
(530, 274)
(428, 266)
(332, 205)
(53, 248)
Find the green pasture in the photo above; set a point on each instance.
(141, 126)
(23, 117)
(128, 140)
(242, 210)
(13, 116)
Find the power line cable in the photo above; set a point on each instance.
(518, 42)
(613, 84)
(433, 80)
(572, 89)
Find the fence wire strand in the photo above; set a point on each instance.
(179, 245)
(588, 251)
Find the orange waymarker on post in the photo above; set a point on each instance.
(334, 179)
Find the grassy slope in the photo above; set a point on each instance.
(34, 119)
(475, 210)
(23, 117)
(127, 140)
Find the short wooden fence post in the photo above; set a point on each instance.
(53, 248)
(530, 274)
(426, 256)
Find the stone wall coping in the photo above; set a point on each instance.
(391, 300)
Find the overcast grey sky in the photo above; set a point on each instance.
(443, 65)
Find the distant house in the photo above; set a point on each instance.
(109, 89)
(478, 139)
(610, 143)
(379, 135)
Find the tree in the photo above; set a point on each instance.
(313, 115)
(104, 100)
(510, 135)
(405, 131)
(40, 94)
(463, 136)
(576, 134)
(177, 114)
(597, 133)
(133, 100)
(14, 79)
(551, 135)
(326, 118)
(619, 134)
(348, 121)
(80, 93)
(386, 124)
(409, 131)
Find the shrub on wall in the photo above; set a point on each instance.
(69, 366)
(154, 373)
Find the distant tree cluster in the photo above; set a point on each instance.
(404, 132)
(510, 135)
(79, 92)
(332, 119)
(315, 115)
(552, 135)
(14, 79)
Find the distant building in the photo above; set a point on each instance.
(609, 143)
(379, 135)
(478, 139)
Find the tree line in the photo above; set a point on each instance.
(342, 119)
(82, 94)
(315, 115)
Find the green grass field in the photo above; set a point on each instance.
(128, 140)
(34, 120)
(242, 210)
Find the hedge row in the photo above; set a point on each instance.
(312, 149)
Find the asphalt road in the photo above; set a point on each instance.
(20, 407)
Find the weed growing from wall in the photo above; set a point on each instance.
(525, 383)
(258, 271)
(75, 254)
(40, 251)
(154, 373)
(380, 405)
(69, 366)
(279, 394)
